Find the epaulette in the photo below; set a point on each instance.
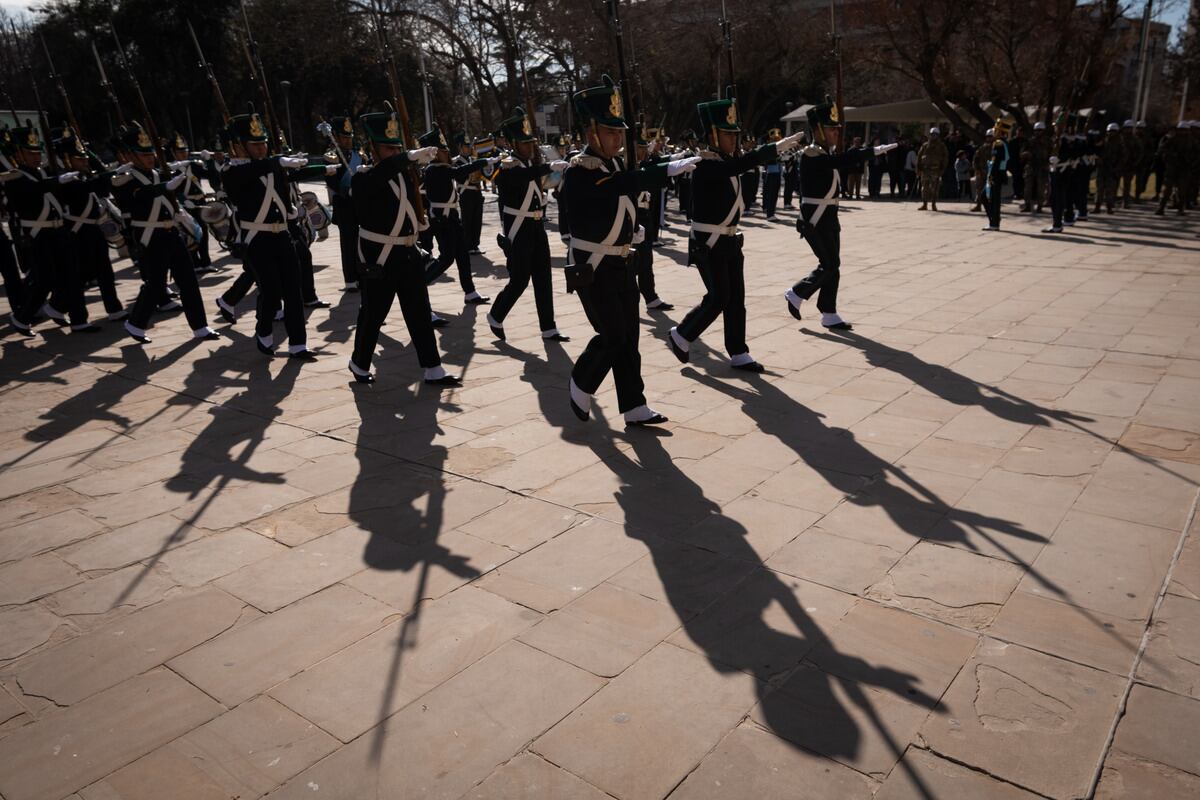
(587, 162)
(813, 150)
(709, 155)
(122, 179)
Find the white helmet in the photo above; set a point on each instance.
(935, 131)
(1183, 123)
(1039, 126)
(1112, 126)
(1128, 123)
(1141, 124)
(990, 132)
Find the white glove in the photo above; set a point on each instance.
(788, 143)
(205, 154)
(177, 164)
(175, 182)
(237, 162)
(67, 177)
(325, 129)
(639, 235)
(682, 165)
(331, 169)
(885, 148)
(423, 155)
(362, 168)
(682, 154)
(124, 169)
(559, 166)
(185, 219)
(1053, 159)
(292, 162)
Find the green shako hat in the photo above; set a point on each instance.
(433, 138)
(134, 139)
(178, 142)
(248, 128)
(824, 114)
(601, 105)
(721, 115)
(383, 127)
(516, 127)
(6, 142)
(25, 137)
(66, 143)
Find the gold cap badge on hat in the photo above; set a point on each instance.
(393, 129)
(731, 114)
(347, 128)
(256, 128)
(615, 109)
(528, 131)
(143, 140)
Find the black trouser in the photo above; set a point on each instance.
(825, 239)
(1079, 191)
(400, 278)
(470, 203)
(791, 185)
(1059, 207)
(347, 225)
(166, 253)
(611, 305)
(452, 249)
(722, 269)
(684, 187)
(643, 257)
(771, 192)
(240, 287)
(52, 269)
(993, 204)
(91, 253)
(14, 282)
(750, 187)
(304, 260)
(528, 258)
(277, 273)
(875, 181)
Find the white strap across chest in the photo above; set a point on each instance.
(405, 211)
(608, 246)
(830, 199)
(727, 227)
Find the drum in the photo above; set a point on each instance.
(110, 224)
(193, 234)
(318, 214)
(217, 215)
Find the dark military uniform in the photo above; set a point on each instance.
(260, 191)
(389, 261)
(192, 195)
(526, 248)
(715, 246)
(338, 186)
(440, 181)
(602, 196)
(35, 201)
(470, 197)
(818, 222)
(997, 176)
(14, 281)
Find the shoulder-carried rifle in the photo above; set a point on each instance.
(388, 60)
(614, 20)
(218, 95)
(56, 79)
(108, 87)
(43, 121)
(260, 78)
(160, 153)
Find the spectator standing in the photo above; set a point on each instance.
(962, 173)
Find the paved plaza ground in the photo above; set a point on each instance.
(946, 555)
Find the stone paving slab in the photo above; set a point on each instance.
(940, 556)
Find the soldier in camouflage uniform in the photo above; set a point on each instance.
(932, 160)
(1111, 161)
(1035, 158)
(1172, 151)
(1131, 163)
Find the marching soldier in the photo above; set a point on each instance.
(155, 221)
(1085, 163)
(390, 263)
(715, 246)
(647, 220)
(14, 282)
(773, 180)
(1149, 155)
(1173, 152)
(601, 194)
(259, 189)
(35, 200)
(338, 185)
(440, 181)
(192, 193)
(818, 222)
(683, 183)
(82, 214)
(522, 209)
(1061, 162)
(932, 160)
(470, 199)
(749, 177)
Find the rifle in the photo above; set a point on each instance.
(614, 20)
(1061, 123)
(212, 77)
(727, 33)
(160, 154)
(260, 76)
(108, 87)
(529, 115)
(388, 60)
(43, 122)
(62, 91)
(9, 75)
(326, 130)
